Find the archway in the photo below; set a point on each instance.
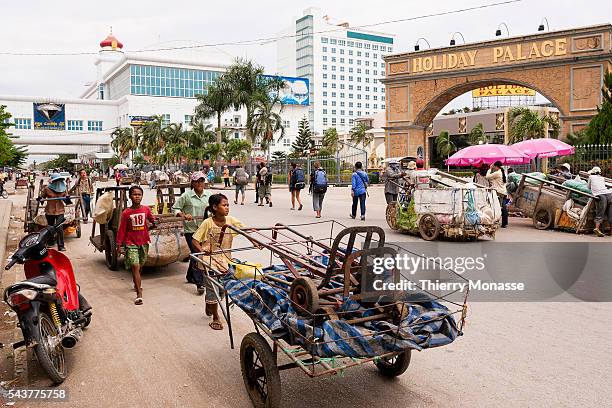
(566, 67)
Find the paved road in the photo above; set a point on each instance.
(164, 354)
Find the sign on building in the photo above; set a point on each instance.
(138, 121)
(295, 92)
(502, 90)
(49, 116)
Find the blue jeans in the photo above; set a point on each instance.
(194, 275)
(362, 200)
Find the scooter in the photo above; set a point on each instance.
(50, 309)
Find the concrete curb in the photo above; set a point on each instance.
(6, 207)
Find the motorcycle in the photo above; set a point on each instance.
(50, 309)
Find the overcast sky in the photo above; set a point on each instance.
(69, 26)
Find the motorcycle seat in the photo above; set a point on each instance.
(46, 279)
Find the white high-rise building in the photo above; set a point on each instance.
(343, 65)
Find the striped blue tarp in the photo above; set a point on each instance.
(428, 324)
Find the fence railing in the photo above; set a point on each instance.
(587, 156)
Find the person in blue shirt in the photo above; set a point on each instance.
(359, 190)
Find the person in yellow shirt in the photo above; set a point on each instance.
(206, 239)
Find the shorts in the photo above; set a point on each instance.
(210, 297)
(240, 188)
(265, 191)
(135, 255)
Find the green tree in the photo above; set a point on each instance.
(215, 102)
(123, 142)
(150, 137)
(578, 138)
(526, 124)
(237, 149)
(331, 141)
(599, 130)
(248, 86)
(266, 121)
(445, 146)
(359, 134)
(477, 135)
(10, 155)
(200, 136)
(303, 143)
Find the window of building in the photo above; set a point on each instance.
(351, 121)
(101, 91)
(375, 106)
(375, 63)
(358, 62)
(188, 119)
(325, 58)
(351, 61)
(359, 45)
(350, 77)
(390, 49)
(367, 46)
(333, 112)
(350, 106)
(333, 50)
(359, 87)
(341, 76)
(333, 94)
(359, 105)
(333, 67)
(332, 41)
(341, 51)
(350, 87)
(23, 123)
(367, 71)
(324, 92)
(342, 62)
(341, 42)
(367, 88)
(324, 49)
(367, 63)
(359, 70)
(367, 105)
(350, 69)
(165, 119)
(341, 86)
(94, 125)
(324, 67)
(350, 52)
(358, 79)
(342, 94)
(342, 121)
(324, 102)
(367, 80)
(333, 121)
(375, 97)
(286, 142)
(333, 86)
(325, 111)
(358, 96)
(324, 40)
(286, 124)
(351, 43)
(358, 113)
(382, 98)
(374, 55)
(324, 76)
(382, 106)
(359, 53)
(333, 103)
(75, 125)
(166, 81)
(367, 97)
(324, 84)
(334, 76)
(367, 55)
(324, 121)
(342, 104)
(375, 47)
(374, 72)
(333, 59)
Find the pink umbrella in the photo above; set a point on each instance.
(487, 153)
(545, 147)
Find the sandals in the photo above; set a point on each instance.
(215, 325)
(138, 301)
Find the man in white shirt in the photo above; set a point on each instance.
(597, 185)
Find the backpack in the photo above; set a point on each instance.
(300, 179)
(268, 179)
(320, 182)
(241, 178)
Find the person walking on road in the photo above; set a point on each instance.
(190, 207)
(56, 194)
(392, 176)
(241, 180)
(318, 187)
(133, 237)
(497, 179)
(359, 190)
(226, 177)
(603, 209)
(265, 185)
(257, 168)
(84, 189)
(297, 181)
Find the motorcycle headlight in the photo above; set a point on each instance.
(22, 296)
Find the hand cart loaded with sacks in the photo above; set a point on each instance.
(318, 308)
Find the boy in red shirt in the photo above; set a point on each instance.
(133, 234)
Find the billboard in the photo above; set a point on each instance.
(137, 121)
(502, 90)
(49, 116)
(295, 92)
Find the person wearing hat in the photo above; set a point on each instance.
(190, 206)
(410, 173)
(598, 187)
(565, 171)
(54, 208)
(392, 175)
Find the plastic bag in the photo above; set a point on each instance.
(103, 211)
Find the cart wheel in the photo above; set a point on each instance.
(324, 314)
(391, 215)
(110, 250)
(543, 218)
(304, 295)
(429, 227)
(260, 372)
(398, 312)
(394, 365)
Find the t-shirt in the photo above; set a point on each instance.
(208, 235)
(597, 184)
(133, 229)
(190, 203)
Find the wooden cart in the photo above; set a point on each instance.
(543, 201)
(167, 195)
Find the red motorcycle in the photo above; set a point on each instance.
(51, 311)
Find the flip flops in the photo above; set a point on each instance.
(138, 301)
(216, 325)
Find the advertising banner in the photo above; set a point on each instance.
(137, 121)
(295, 92)
(49, 116)
(502, 90)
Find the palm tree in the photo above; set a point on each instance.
(445, 146)
(266, 121)
(248, 86)
(528, 124)
(331, 140)
(151, 136)
(237, 149)
(217, 100)
(199, 137)
(123, 142)
(477, 135)
(359, 134)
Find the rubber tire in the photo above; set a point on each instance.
(398, 367)
(110, 250)
(257, 343)
(304, 296)
(423, 229)
(392, 220)
(43, 357)
(549, 220)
